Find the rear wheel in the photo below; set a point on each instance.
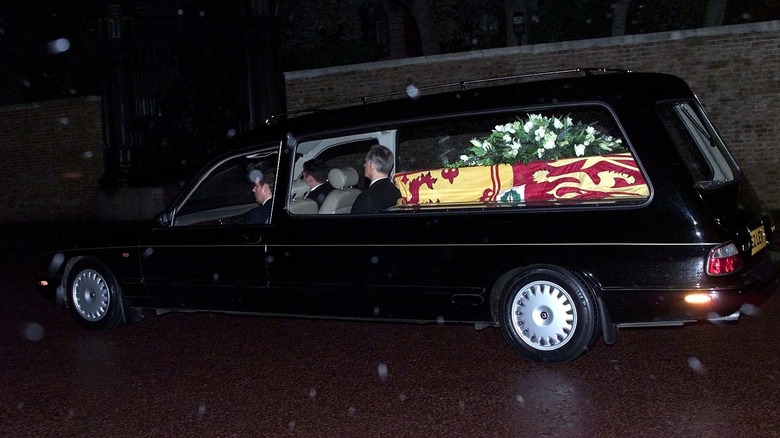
(94, 296)
(548, 314)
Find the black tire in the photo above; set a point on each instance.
(548, 314)
(93, 295)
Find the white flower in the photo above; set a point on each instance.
(509, 128)
(515, 146)
(499, 128)
(557, 123)
(507, 138)
(527, 127)
(579, 149)
(486, 146)
(539, 133)
(464, 158)
(590, 130)
(540, 152)
(549, 140)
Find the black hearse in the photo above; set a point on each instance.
(558, 208)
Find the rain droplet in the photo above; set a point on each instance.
(291, 425)
(87, 155)
(312, 393)
(696, 365)
(440, 319)
(462, 405)
(56, 262)
(749, 309)
(230, 133)
(148, 252)
(351, 411)
(413, 91)
(26, 83)
(33, 331)
(376, 311)
(180, 12)
(382, 370)
(402, 397)
(520, 399)
(58, 46)
(216, 277)
(63, 121)
(374, 259)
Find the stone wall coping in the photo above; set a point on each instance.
(48, 103)
(764, 26)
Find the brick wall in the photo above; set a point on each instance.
(735, 71)
(53, 151)
(52, 158)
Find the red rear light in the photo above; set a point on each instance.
(724, 259)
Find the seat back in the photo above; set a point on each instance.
(299, 204)
(340, 199)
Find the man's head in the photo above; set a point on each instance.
(315, 172)
(379, 162)
(263, 188)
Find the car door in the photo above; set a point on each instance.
(206, 256)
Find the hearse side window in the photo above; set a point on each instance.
(225, 192)
(344, 157)
(565, 154)
(701, 148)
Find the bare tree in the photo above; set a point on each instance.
(620, 16)
(716, 9)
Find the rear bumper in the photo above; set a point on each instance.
(662, 307)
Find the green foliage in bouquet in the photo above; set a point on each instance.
(539, 138)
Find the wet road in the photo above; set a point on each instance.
(218, 375)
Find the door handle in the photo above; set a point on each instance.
(251, 239)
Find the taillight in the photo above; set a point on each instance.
(724, 259)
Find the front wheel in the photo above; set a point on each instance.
(548, 314)
(94, 296)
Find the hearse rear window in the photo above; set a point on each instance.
(571, 155)
(566, 154)
(707, 158)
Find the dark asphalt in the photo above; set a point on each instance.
(218, 375)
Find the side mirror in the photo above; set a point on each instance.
(163, 219)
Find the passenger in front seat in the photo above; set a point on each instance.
(382, 193)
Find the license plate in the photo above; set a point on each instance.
(757, 239)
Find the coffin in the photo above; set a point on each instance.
(613, 176)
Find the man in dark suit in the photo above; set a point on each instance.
(315, 173)
(263, 190)
(382, 193)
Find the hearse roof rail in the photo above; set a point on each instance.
(461, 86)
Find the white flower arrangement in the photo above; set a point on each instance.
(539, 138)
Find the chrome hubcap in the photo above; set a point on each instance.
(90, 294)
(543, 315)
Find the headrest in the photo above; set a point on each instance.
(298, 189)
(343, 177)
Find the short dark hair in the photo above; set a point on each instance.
(270, 179)
(382, 157)
(317, 169)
